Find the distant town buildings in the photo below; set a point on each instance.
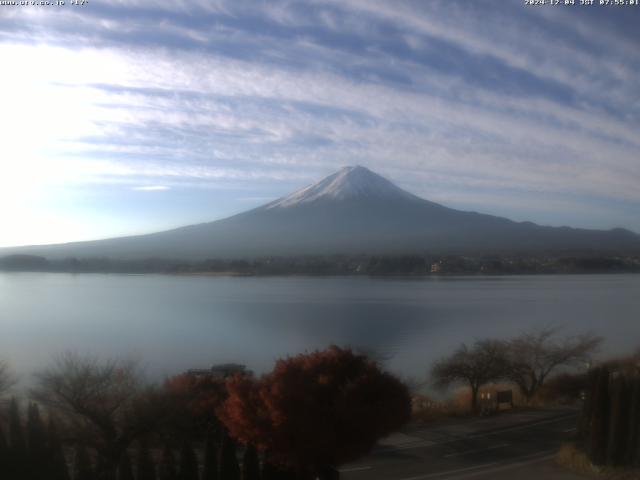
(221, 371)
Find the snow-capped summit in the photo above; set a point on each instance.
(348, 182)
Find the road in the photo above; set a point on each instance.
(509, 445)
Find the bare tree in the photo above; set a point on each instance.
(534, 355)
(6, 377)
(104, 404)
(484, 362)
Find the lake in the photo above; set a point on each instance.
(172, 323)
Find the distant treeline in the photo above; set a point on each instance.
(418, 265)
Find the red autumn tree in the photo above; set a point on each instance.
(317, 410)
(195, 400)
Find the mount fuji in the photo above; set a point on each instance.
(353, 211)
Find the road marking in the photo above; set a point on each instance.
(412, 446)
(476, 451)
(569, 430)
(449, 472)
(510, 466)
(354, 469)
(485, 468)
(428, 443)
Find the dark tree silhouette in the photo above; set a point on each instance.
(271, 471)
(125, 470)
(18, 456)
(82, 469)
(57, 464)
(229, 468)
(565, 387)
(145, 468)
(16, 435)
(600, 420)
(484, 362)
(210, 471)
(633, 454)
(316, 411)
(36, 433)
(534, 356)
(620, 396)
(4, 446)
(250, 464)
(5, 459)
(609, 426)
(167, 469)
(194, 400)
(37, 442)
(101, 471)
(188, 462)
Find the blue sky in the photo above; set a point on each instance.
(126, 117)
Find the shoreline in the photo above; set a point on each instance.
(236, 274)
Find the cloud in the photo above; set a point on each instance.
(151, 188)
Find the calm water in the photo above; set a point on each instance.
(171, 323)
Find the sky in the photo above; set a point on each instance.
(127, 117)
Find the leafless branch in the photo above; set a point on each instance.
(534, 355)
(485, 361)
(101, 400)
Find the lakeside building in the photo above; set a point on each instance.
(220, 371)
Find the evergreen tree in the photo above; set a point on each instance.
(16, 435)
(4, 455)
(188, 462)
(210, 458)
(82, 469)
(633, 452)
(18, 461)
(57, 463)
(616, 447)
(125, 470)
(167, 467)
(270, 471)
(600, 418)
(229, 468)
(4, 447)
(250, 464)
(37, 443)
(101, 469)
(105, 469)
(145, 469)
(584, 424)
(328, 473)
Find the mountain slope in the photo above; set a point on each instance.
(352, 211)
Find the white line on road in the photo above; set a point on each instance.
(477, 451)
(569, 430)
(355, 469)
(485, 468)
(510, 466)
(449, 472)
(428, 443)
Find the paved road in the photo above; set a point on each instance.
(510, 445)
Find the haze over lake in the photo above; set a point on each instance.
(172, 323)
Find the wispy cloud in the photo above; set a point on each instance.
(151, 188)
